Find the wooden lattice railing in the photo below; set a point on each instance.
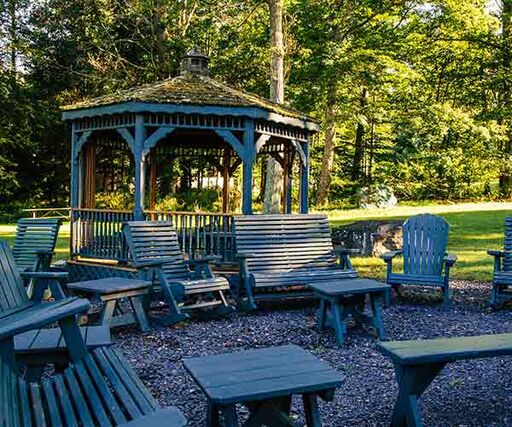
(96, 233)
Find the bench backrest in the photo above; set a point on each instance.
(35, 235)
(284, 242)
(100, 390)
(506, 264)
(425, 238)
(149, 240)
(12, 290)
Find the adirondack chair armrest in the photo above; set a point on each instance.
(157, 262)
(498, 253)
(388, 256)
(60, 275)
(450, 259)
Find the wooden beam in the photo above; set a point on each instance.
(152, 181)
(304, 179)
(128, 137)
(155, 137)
(140, 165)
(248, 162)
(241, 150)
(261, 141)
(225, 181)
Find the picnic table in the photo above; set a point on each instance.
(263, 380)
(418, 362)
(341, 299)
(110, 291)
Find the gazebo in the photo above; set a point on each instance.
(190, 116)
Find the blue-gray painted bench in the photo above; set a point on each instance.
(502, 277)
(418, 362)
(425, 238)
(263, 380)
(157, 256)
(99, 390)
(279, 253)
(35, 243)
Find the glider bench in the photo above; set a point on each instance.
(418, 362)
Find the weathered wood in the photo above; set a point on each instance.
(418, 362)
(231, 378)
(339, 300)
(99, 390)
(426, 263)
(502, 274)
(156, 254)
(35, 242)
(285, 251)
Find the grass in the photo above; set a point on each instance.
(475, 227)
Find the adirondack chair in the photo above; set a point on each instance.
(35, 242)
(502, 277)
(99, 390)
(279, 253)
(425, 238)
(157, 256)
(18, 314)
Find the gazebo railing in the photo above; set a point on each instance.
(96, 233)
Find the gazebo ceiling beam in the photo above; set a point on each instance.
(261, 141)
(156, 136)
(80, 142)
(242, 151)
(128, 137)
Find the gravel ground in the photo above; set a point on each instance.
(472, 393)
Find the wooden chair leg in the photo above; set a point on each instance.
(446, 293)
(229, 414)
(322, 315)
(139, 313)
(107, 312)
(212, 415)
(338, 318)
(73, 338)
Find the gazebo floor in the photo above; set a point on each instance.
(472, 393)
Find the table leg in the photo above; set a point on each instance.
(338, 317)
(311, 410)
(74, 340)
(212, 415)
(322, 315)
(107, 312)
(229, 414)
(138, 310)
(413, 381)
(376, 304)
(274, 412)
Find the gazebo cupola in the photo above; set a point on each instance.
(176, 127)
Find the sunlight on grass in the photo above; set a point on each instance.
(475, 227)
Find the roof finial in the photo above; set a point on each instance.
(195, 62)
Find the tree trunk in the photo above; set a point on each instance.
(328, 156)
(274, 180)
(359, 141)
(506, 173)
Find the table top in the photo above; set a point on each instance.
(261, 374)
(348, 286)
(109, 285)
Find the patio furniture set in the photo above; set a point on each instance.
(280, 257)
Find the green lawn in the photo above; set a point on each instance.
(475, 227)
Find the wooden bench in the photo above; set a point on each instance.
(418, 362)
(283, 252)
(35, 243)
(157, 256)
(99, 390)
(502, 275)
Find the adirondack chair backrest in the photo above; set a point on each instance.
(284, 242)
(149, 240)
(506, 263)
(33, 235)
(425, 238)
(12, 290)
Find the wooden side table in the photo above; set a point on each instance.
(263, 380)
(110, 291)
(344, 298)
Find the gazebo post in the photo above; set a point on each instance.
(226, 163)
(140, 166)
(75, 169)
(288, 181)
(304, 179)
(248, 163)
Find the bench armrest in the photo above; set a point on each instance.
(498, 253)
(450, 259)
(388, 256)
(157, 262)
(61, 275)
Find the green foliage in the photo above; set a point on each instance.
(193, 200)
(117, 200)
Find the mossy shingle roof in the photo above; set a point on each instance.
(191, 89)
